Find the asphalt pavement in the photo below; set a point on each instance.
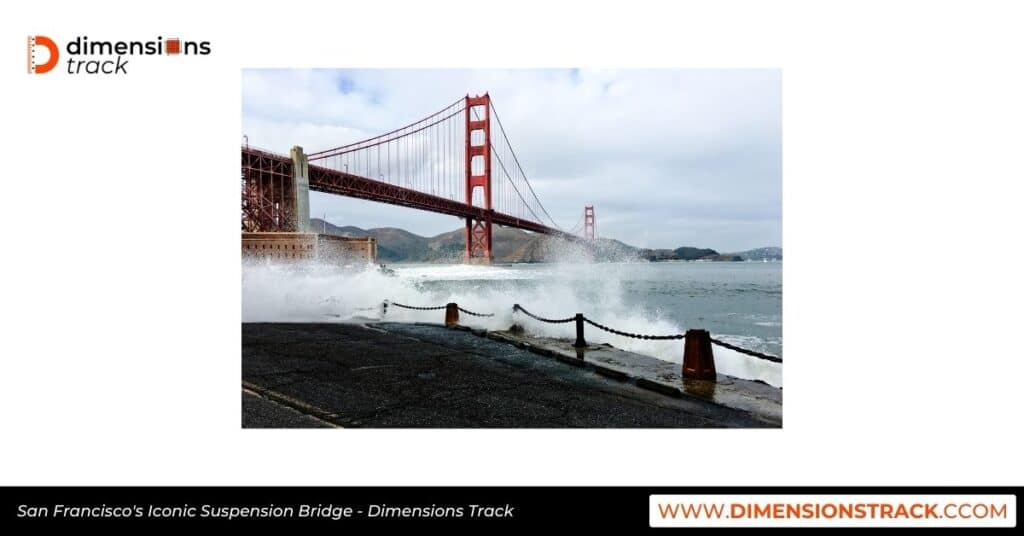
(419, 376)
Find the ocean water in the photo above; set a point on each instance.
(739, 302)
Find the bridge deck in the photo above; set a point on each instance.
(322, 179)
(328, 180)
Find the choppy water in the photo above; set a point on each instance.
(740, 303)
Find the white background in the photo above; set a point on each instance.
(903, 143)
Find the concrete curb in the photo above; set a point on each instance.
(295, 404)
(614, 374)
(622, 376)
(607, 372)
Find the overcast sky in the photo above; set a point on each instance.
(667, 157)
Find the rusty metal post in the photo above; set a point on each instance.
(698, 359)
(580, 341)
(451, 315)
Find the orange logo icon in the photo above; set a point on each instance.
(35, 42)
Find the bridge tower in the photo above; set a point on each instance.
(588, 222)
(478, 227)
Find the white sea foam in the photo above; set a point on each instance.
(315, 293)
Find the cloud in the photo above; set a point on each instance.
(668, 157)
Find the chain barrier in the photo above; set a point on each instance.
(635, 335)
(403, 306)
(471, 313)
(751, 353)
(519, 308)
(439, 307)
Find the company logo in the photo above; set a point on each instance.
(36, 45)
(87, 56)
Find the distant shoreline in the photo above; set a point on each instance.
(520, 247)
(663, 261)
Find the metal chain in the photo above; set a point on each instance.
(396, 304)
(439, 307)
(634, 335)
(475, 314)
(517, 307)
(679, 336)
(751, 353)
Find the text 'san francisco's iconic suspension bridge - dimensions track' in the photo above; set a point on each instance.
(450, 162)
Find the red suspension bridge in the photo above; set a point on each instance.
(451, 162)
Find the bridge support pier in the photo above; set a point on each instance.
(478, 241)
(300, 188)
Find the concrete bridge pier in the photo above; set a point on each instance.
(300, 186)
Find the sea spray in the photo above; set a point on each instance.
(325, 293)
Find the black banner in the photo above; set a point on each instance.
(447, 508)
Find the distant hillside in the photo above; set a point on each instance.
(399, 245)
(514, 245)
(678, 254)
(760, 254)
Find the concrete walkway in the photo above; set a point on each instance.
(403, 375)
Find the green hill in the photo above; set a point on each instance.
(515, 245)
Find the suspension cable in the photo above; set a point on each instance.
(321, 154)
(516, 160)
(508, 176)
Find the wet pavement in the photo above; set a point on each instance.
(755, 397)
(409, 376)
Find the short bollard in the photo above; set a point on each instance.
(451, 315)
(698, 359)
(580, 341)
